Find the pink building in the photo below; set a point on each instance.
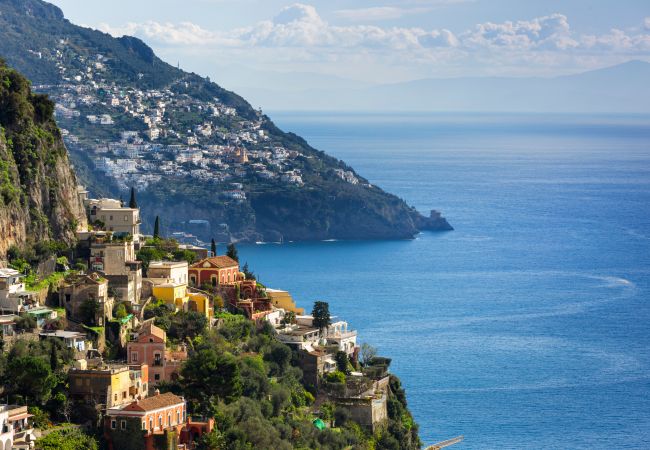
(149, 348)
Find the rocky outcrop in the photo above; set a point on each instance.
(38, 189)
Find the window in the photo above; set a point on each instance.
(178, 417)
(123, 424)
(160, 422)
(115, 397)
(150, 423)
(192, 279)
(169, 419)
(67, 298)
(214, 280)
(124, 394)
(156, 377)
(113, 424)
(110, 217)
(144, 425)
(134, 356)
(126, 218)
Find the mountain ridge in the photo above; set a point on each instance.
(612, 89)
(74, 63)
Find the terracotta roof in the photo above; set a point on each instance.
(148, 328)
(220, 262)
(155, 402)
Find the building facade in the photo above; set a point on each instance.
(150, 348)
(215, 271)
(78, 292)
(152, 423)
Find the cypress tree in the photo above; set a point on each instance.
(213, 247)
(156, 228)
(132, 202)
(232, 252)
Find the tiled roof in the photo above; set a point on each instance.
(155, 402)
(220, 262)
(148, 328)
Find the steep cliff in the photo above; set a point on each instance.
(38, 195)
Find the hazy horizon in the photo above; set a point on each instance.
(315, 55)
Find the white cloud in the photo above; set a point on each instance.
(298, 34)
(548, 32)
(374, 14)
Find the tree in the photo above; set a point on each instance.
(342, 362)
(67, 439)
(232, 252)
(89, 310)
(156, 228)
(248, 273)
(368, 353)
(289, 318)
(213, 247)
(279, 355)
(327, 412)
(212, 441)
(31, 378)
(208, 377)
(120, 311)
(321, 315)
(132, 202)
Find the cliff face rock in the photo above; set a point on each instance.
(38, 189)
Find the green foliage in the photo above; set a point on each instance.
(120, 311)
(31, 379)
(232, 252)
(40, 418)
(159, 249)
(212, 441)
(67, 439)
(89, 310)
(336, 377)
(132, 201)
(321, 314)
(156, 228)
(342, 362)
(208, 377)
(278, 356)
(26, 322)
(327, 412)
(368, 353)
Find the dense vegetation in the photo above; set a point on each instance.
(249, 382)
(37, 198)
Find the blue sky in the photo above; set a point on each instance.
(377, 41)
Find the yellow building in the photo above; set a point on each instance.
(177, 295)
(282, 299)
(172, 294)
(200, 303)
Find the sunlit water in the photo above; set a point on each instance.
(528, 326)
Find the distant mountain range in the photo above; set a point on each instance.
(200, 156)
(622, 88)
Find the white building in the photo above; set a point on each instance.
(115, 217)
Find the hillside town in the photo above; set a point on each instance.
(138, 136)
(131, 323)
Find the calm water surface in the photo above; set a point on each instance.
(528, 326)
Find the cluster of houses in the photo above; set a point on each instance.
(124, 393)
(220, 146)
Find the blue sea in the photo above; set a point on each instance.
(529, 325)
